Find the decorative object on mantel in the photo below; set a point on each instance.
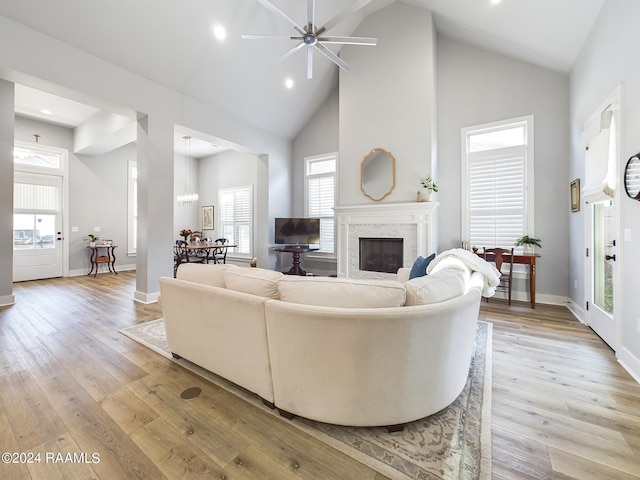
(529, 243)
(430, 186)
(313, 36)
(185, 232)
(187, 199)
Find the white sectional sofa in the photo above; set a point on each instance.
(347, 352)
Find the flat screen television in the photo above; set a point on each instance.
(297, 231)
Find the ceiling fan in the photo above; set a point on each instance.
(314, 37)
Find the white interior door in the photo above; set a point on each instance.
(602, 269)
(37, 226)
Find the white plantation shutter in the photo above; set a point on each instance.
(235, 213)
(320, 196)
(497, 198)
(28, 198)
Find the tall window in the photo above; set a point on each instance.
(236, 217)
(497, 166)
(320, 196)
(132, 208)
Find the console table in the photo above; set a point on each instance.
(102, 253)
(295, 252)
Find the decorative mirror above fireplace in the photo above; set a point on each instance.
(378, 174)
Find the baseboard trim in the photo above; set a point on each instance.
(7, 300)
(577, 311)
(540, 298)
(629, 362)
(146, 298)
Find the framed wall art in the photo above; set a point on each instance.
(575, 195)
(207, 217)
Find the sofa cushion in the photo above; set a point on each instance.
(436, 287)
(340, 292)
(206, 274)
(419, 268)
(255, 281)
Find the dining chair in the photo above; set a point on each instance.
(180, 256)
(220, 254)
(195, 236)
(504, 266)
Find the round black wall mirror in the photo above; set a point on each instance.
(632, 177)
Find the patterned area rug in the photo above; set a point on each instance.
(453, 444)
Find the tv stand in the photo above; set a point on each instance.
(295, 251)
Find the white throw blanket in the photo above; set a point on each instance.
(476, 264)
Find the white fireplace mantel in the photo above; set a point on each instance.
(414, 222)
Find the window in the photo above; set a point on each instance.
(320, 198)
(236, 217)
(37, 158)
(497, 176)
(132, 209)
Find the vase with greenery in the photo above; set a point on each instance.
(430, 186)
(528, 243)
(92, 239)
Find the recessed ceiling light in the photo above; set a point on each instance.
(219, 32)
(288, 83)
(46, 112)
(495, 2)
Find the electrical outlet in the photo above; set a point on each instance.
(575, 284)
(96, 229)
(638, 327)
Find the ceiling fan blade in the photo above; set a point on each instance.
(342, 16)
(275, 10)
(268, 37)
(311, 13)
(349, 40)
(290, 52)
(333, 57)
(309, 62)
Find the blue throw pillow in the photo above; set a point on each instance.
(419, 268)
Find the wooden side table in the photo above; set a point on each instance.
(102, 253)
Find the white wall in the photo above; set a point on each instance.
(72, 73)
(387, 100)
(477, 86)
(610, 57)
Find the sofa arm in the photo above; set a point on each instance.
(403, 274)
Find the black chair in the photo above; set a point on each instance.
(506, 273)
(220, 254)
(180, 255)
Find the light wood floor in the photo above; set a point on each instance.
(71, 384)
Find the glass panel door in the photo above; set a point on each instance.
(603, 256)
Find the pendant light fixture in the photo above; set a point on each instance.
(187, 199)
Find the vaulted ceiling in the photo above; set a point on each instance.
(172, 43)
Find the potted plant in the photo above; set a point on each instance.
(92, 239)
(430, 186)
(184, 233)
(528, 243)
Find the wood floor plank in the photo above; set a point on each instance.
(563, 408)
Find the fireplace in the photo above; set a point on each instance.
(412, 223)
(381, 254)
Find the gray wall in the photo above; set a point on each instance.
(97, 193)
(610, 57)
(387, 100)
(476, 86)
(75, 74)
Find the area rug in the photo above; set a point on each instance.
(453, 444)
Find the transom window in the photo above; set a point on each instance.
(497, 166)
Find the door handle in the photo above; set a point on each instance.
(610, 257)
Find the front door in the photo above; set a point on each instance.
(602, 268)
(37, 226)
